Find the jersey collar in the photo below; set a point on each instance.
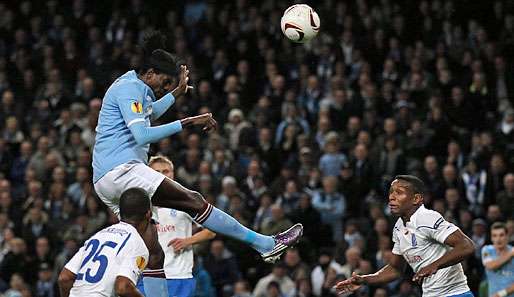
(412, 220)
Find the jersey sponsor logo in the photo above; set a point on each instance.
(165, 228)
(413, 259)
(136, 107)
(140, 262)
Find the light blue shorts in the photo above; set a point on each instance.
(176, 287)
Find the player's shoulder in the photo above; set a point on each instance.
(488, 248)
(127, 83)
(397, 225)
(428, 218)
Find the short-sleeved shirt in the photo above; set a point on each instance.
(127, 101)
(115, 251)
(175, 224)
(421, 242)
(502, 277)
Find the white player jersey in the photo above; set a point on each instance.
(421, 242)
(175, 224)
(117, 250)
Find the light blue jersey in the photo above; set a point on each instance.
(128, 103)
(501, 278)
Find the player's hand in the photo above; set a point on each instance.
(424, 272)
(206, 120)
(179, 244)
(349, 285)
(182, 86)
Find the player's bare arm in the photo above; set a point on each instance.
(65, 281)
(125, 288)
(462, 247)
(180, 244)
(500, 261)
(387, 274)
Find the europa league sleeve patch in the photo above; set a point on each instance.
(140, 262)
(136, 107)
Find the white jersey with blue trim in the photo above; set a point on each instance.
(421, 242)
(175, 224)
(127, 101)
(115, 251)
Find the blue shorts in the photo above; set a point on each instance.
(466, 294)
(176, 287)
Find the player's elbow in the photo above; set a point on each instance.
(65, 278)
(140, 139)
(468, 247)
(122, 286)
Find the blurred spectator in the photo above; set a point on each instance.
(296, 268)
(320, 271)
(283, 284)
(241, 289)
(222, 267)
(331, 205)
(45, 287)
(277, 222)
(504, 198)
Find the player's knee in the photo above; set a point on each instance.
(196, 200)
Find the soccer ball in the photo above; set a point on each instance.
(300, 23)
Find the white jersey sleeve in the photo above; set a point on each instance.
(434, 226)
(133, 261)
(74, 264)
(396, 242)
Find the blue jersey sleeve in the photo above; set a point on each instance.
(145, 135)
(129, 98)
(160, 106)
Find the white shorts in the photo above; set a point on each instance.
(123, 177)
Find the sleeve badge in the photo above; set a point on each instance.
(140, 262)
(136, 107)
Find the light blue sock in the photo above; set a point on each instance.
(155, 286)
(220, 222)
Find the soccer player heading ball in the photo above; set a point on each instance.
(124, 134)
(432, 246)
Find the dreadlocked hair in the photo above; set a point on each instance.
(156, 56)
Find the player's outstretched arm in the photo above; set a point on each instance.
(146, 135)
(125, 288)
(498, 262)
(182, 243)
(65, 281)
(387, 274)
(462, 247)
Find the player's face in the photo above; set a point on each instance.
(163, 168)
(499, 237)
(401, 198)
(160, 83)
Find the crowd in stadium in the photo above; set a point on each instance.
(311, 133)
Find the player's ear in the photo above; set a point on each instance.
(418, 199)
(149, 73)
